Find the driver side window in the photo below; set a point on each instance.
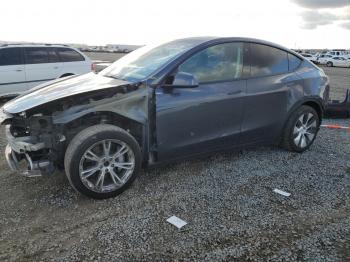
(219, 63)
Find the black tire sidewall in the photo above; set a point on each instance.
(291, 124)
(74, 176)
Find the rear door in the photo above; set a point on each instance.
(12, 75)
(73, 61)
(269, 91)
(42, 65)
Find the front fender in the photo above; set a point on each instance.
(133, 105)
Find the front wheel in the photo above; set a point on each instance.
(329, 64)
(301, 129)
(102, 161)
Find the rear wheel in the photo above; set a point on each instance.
(102, 161)
(301, 129)
(329, 64)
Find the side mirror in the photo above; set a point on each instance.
(184, 80)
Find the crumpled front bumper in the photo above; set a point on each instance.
(23, 144)
(15, 164)
(18, 155)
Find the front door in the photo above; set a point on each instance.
(204, 118)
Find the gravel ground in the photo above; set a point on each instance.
(226, 199)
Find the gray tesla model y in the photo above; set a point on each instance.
(166, 102)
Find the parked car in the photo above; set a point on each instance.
(310, 57)
(25, 66)
(323, 59)
(338, 61)
(177, 100)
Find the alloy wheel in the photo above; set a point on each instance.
(305, 130)
(106, 165)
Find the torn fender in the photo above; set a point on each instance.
(133, 105)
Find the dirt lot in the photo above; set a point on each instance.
(226, 199)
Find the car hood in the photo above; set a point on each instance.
(61, 88)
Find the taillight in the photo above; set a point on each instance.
(93, 67)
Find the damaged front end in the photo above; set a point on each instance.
(32, 144)
(39, 127)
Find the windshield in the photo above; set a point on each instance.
(143, 62)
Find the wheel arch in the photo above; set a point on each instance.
(66, 74)
(134, 128)
(315, 103)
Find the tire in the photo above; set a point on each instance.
(329, 64)
(87, 151)
(296, 125)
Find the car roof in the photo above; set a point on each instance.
(203, 39)
(215, 39)
(34, 45)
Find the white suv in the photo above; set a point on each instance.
(25, 66)
(323, 59)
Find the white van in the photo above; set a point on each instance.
(25, 66)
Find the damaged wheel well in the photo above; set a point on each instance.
(131, 126)
(315, 106)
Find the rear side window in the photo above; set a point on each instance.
(266, 60)
(223, 62)
(53, 56)
(294, 62)
(10, 56)
(36, 55)
(69, 55)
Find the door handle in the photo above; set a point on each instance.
(19, 70)
(55, 67)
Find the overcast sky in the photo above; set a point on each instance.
(292, 23)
